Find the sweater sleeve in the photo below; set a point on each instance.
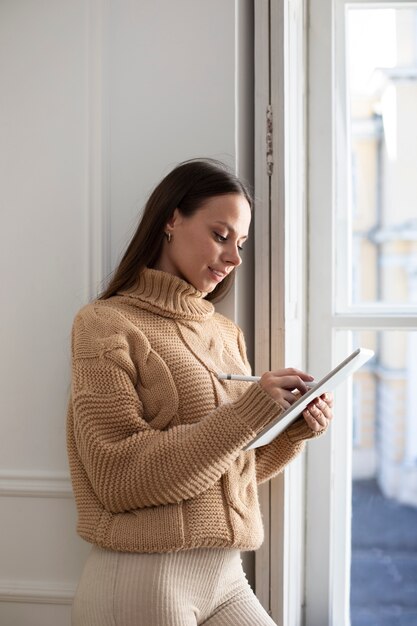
(274, 457)
(131, 464)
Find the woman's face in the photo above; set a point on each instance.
(205, 247)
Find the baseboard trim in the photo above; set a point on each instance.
(35, 484)
(34, 592)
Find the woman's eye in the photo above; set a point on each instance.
(220, 237)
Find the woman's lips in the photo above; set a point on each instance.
(217, 274)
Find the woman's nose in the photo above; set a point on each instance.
(232, 256)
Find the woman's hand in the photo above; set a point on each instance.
(286, 385)
(282, 383)
(319, 412)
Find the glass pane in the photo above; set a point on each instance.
(381, 57)
(384, 482)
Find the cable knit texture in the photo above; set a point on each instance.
(154, 438)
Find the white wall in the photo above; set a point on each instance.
(171, 73)
(99, 99)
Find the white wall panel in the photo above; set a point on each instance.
(172, 96)
(99, 100)
(43, 221)
(41, 533)
(48, 51)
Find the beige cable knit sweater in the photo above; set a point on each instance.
(154, 438)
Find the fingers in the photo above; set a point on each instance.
(281, 383)
(292, 371)
(289, 396)
(282, 396)
(286, 385)
(312, 422)
(328, 398)
(318, 413)
(293, 383)
(286, 379)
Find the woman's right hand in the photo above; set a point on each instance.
(281, 384)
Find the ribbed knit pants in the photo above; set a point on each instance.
(202, 586)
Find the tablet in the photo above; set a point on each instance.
(338, 375)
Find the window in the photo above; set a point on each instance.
(363, 253)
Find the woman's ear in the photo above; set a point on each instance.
(174, 220)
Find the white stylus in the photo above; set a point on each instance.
(254, 379)
(249, 379)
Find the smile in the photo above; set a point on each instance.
(217, 274)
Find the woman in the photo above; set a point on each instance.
(163, 488)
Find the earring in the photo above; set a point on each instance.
(168, 235)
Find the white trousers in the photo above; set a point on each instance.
(189, 588)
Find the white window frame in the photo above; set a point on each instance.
(328, 488)
(280, 258)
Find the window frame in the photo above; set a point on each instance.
(329, 460)
(280, 270)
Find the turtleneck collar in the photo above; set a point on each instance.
(168, 296)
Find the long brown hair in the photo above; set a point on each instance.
(186, 187)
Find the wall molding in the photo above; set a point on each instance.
(98, 138)
(32, 591)
(35, 484)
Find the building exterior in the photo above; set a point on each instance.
(384, 269)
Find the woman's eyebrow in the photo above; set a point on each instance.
(230, 228)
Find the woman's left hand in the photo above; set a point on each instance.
(319, 412)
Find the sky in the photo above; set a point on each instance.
(371, 43)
